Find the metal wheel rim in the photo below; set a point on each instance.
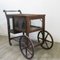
(47, 40)
(27, 49)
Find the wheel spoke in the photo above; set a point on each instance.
(47, 44)
(23, 48)
(48, 41)
(46, 36)
(26, 52)
(29, 51)
(23, 43)
(29, 44)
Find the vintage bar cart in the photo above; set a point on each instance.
(22, 23)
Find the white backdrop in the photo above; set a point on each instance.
(49, 7)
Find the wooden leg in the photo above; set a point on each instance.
(10, 42)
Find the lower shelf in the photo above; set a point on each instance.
(32, 29)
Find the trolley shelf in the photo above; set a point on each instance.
(35, 28)
(32, 29)
(14, 31)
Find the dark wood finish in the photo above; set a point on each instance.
(26, 49)
(30, 17)
(48, 40)
(24, 41)
(8, 23)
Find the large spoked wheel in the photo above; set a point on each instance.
(26, 47)
(47, 43)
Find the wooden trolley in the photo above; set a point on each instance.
(22, 23)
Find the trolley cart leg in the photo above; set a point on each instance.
(8, 25)
(41, 35)
(43, 28)
(10, 42)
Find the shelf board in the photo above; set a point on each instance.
(32, 29)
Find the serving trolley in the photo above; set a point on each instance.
(22, 23)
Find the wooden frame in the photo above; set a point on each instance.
(29, 17)
(28, 29)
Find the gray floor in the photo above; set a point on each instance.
(8, 52)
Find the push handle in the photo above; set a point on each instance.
(12, 11)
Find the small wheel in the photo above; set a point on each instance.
(47, 43)
(26, 47)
